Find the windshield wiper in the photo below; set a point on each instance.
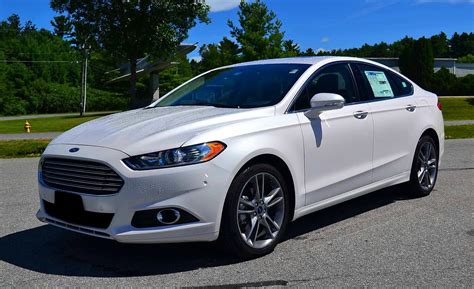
(218, 105)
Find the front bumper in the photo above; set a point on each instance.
(199, 189)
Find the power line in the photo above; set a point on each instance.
(40, 61)
(38, 53)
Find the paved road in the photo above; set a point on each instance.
(458, 122)
(457, 96)
(33, 116)
(383, 239)
(38, 135)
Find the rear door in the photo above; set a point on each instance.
(394, 114)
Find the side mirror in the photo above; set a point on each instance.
(324, 101)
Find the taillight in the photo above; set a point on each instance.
(440, 106)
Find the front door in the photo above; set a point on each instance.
(338, 145)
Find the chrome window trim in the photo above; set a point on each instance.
(289, 110)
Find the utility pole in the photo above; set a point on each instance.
(82, 85)
(84, 79)
(84, 101)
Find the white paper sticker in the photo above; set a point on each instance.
(379, 84)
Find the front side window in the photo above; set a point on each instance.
(246, 86)
(377, 83)
(336, 78)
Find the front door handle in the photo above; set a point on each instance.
(360, 114)
(411, 107)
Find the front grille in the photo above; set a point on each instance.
(80, 176)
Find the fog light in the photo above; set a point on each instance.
(168, 216)
(162, 217)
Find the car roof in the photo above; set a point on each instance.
(311, 60)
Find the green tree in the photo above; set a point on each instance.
(461, 44)
(210, 57)
(41, 72)
(399, 46)
(309, 52)
(215, 55)
(131, 29)
(175, 75)
(229, 51)
(258, 32)
(466, 59)
(291, 49)
(443, 82)
(417, 62)
(62, 26)
(440, 45)
(14, 23)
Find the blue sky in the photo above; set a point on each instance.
(319, 24)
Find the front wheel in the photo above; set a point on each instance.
(256, 211)
(424, 170)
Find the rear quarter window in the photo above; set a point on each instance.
(400, 85)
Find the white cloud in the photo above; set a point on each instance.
(222, 5)
(420, 1)
(444, 1)
(196, 58)
(325, 39)
(372, 6)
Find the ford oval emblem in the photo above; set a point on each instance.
(73, 150)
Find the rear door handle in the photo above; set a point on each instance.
(360, 114)
(411, 107)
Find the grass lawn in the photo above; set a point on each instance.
(459, 131)
(49, 124)
(458, 108)
(22, 148)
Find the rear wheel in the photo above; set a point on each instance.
(256, 211)
(424, 170)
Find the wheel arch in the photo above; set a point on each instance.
(282, 167)
(434, 135)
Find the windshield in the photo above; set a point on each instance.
(240, 87)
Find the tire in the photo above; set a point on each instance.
(424, 169)
(242, 209)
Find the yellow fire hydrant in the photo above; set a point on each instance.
(27, 127)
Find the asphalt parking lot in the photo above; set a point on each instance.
(382, 239)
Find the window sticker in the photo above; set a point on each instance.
(379, 84)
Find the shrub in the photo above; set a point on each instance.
(43, 97)
(446, 83)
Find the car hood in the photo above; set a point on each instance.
(147, 130)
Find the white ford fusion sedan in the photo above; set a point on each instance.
(240, 151)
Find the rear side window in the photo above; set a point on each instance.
(377, 83)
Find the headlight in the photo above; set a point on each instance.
(176, 157)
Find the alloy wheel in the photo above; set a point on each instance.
(261, 210)
(427, 166)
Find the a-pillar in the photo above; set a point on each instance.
(155, 85)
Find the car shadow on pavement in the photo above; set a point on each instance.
(50, 250)
(346, 210)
